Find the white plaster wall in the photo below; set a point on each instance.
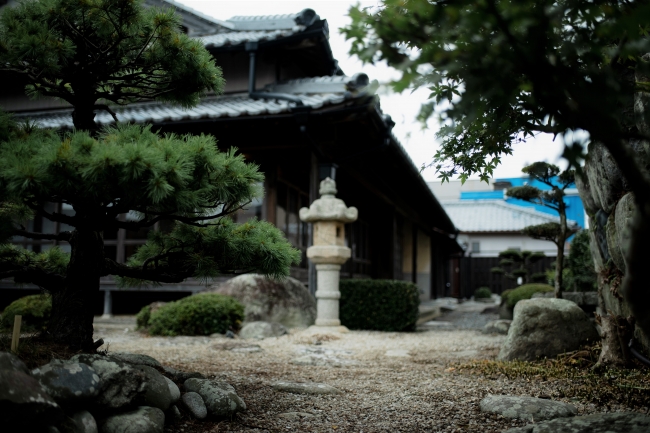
(491, 245)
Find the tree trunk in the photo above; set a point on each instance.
(616, 333)
(71, 321)
(83, 117)
(559, 263)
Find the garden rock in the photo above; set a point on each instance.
(173, 390)
(69, 383)
(142, 420)
(546, 327)
(79, 422)
(9, 361)
(136, 359)
(173, 415)
(157, 392)
(23, 401)
(526, 408)
(505, 313)
(122, 384)
(306, 388)
(182, 376)
(497, 327)
(219, 397)
(629, 422)
(194, 404)
(260, 330)
(287, 302)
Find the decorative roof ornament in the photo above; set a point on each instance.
(328, 207)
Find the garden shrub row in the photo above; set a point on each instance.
(381, 305)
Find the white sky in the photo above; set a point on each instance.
(403, 108)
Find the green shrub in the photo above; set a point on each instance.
(381, 305)
(143, 317)
(525, 291)
(201, 314)
(35, 310)
(482, 293)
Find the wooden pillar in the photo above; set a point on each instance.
(414, 276)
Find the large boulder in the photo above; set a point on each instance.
(136, 359)
(546, 328)
(9, 361)
(142, 420)
(122, 384)
(629, 422)
(220, 398)
(260, 330)
(284, 301)
(24, 402)
(71, 384)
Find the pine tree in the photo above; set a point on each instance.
(101, 51)
(557, 233)
(515, 264)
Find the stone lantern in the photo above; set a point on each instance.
(329, 215)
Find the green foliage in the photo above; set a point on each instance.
(186, 180)
(201, 314)
(483, 293)
(515, 263)
(143, 317)
(580, 263)
(525, 291)
(35, 310)
(111, 50)
(381, 305)
(546, 231)
(566, 65)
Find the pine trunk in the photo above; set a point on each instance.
(83, 117)
(71, 321)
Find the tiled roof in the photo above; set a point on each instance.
(473, 216)
(236, 38)
(260, 28)
(208, 108)
(314, 92)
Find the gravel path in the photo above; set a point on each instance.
(392, 382)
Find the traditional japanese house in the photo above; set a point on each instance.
(289, 108)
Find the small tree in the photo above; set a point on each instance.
(114, 50)
(580, 263)
(557, 233)
(516, 264)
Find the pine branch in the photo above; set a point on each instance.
(63, 236)
(49, 281)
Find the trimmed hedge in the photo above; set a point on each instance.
(525, 291)
(35, 310)
(482, 293)
(380, 305)
(201, 314)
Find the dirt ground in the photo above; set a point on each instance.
(391, 382)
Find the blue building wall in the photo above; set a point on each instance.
(575, 210)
